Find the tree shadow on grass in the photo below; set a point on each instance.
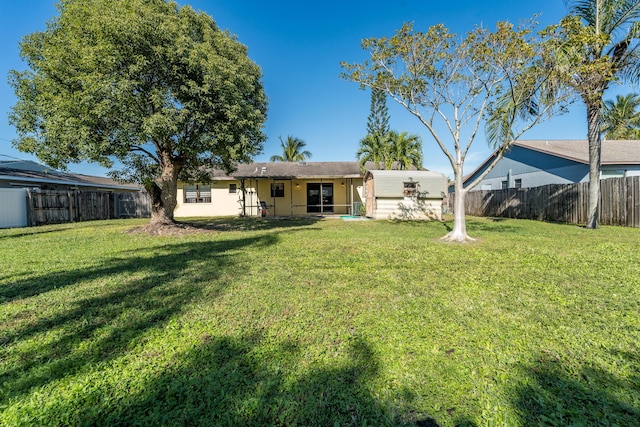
(30, 231)
(99, 322)
(249, 223)
(558, 395)
(250, 381)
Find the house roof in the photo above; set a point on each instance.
(405, 174)
(614, 152)
(31, 173)
(300, 170)
(617, 152)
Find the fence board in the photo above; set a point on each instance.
(619, 202)
(56, 207)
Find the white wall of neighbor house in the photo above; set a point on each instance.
(221, 198)
(619, 171)
(13, 207)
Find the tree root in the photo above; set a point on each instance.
(165, 228)
(457, 238)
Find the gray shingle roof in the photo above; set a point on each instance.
(30, 176)
(298, 170)
(613, 152)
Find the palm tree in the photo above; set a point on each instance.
(406, 150)
(374, 148)
(598, 44)
(621, 118)
(291, 150)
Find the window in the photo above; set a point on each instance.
(504, 185)
(410, 188)
(277, 189)
(518, 183)
(197, 194)
(233, 188)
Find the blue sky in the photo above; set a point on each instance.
(299, 46)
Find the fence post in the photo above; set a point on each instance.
(70, 206)
(29, 202)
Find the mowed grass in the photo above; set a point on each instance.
(320, 323)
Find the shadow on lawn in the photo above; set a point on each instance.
(100, 323)
(250, 223)
(249, 381)
(557, 396)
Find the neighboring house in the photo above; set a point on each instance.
(33, 194)
(28, 174)
(537, 163)
(402, 194)
(275, 189)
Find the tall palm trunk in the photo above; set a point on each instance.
(595, 153)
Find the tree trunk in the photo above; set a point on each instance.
(595, 150)
(164, 193)
(459, 231)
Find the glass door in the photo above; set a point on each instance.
(320, 197)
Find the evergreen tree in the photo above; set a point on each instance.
(378, 121)
(376, 145)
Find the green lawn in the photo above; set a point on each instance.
(320, 323)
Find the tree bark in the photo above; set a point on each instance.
(164, 192)
(459, 231)
(595, 150)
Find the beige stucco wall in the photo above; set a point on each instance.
(222, 203)
(293, 203)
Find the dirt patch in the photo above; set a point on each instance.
(175, 229)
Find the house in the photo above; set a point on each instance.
(29, 174)
(537, 163)
(404, 194)
(275, 189)
(33, 194)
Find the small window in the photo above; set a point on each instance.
(518, 183)
(504, 185)
(233, 188)
(197, 194)
(277, 189)
(409, 188)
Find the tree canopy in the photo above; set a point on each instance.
(457, 84)
(383, 147)
(156, 86)
(292, 150)
(621, 118)
(595, 45)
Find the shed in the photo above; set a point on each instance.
(404, 194)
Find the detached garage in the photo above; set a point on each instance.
(400, 194)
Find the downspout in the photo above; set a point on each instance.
(244, 198)
(321, 198)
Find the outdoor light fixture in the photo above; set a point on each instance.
(297, 185)
(342, 184)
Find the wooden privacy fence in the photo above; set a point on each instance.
(619, 202)
(56, 207)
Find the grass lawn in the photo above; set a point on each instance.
(320, 323)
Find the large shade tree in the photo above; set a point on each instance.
(157, 87)
(621, 118)
(597, 44)
(459, 84)
(292, 150)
